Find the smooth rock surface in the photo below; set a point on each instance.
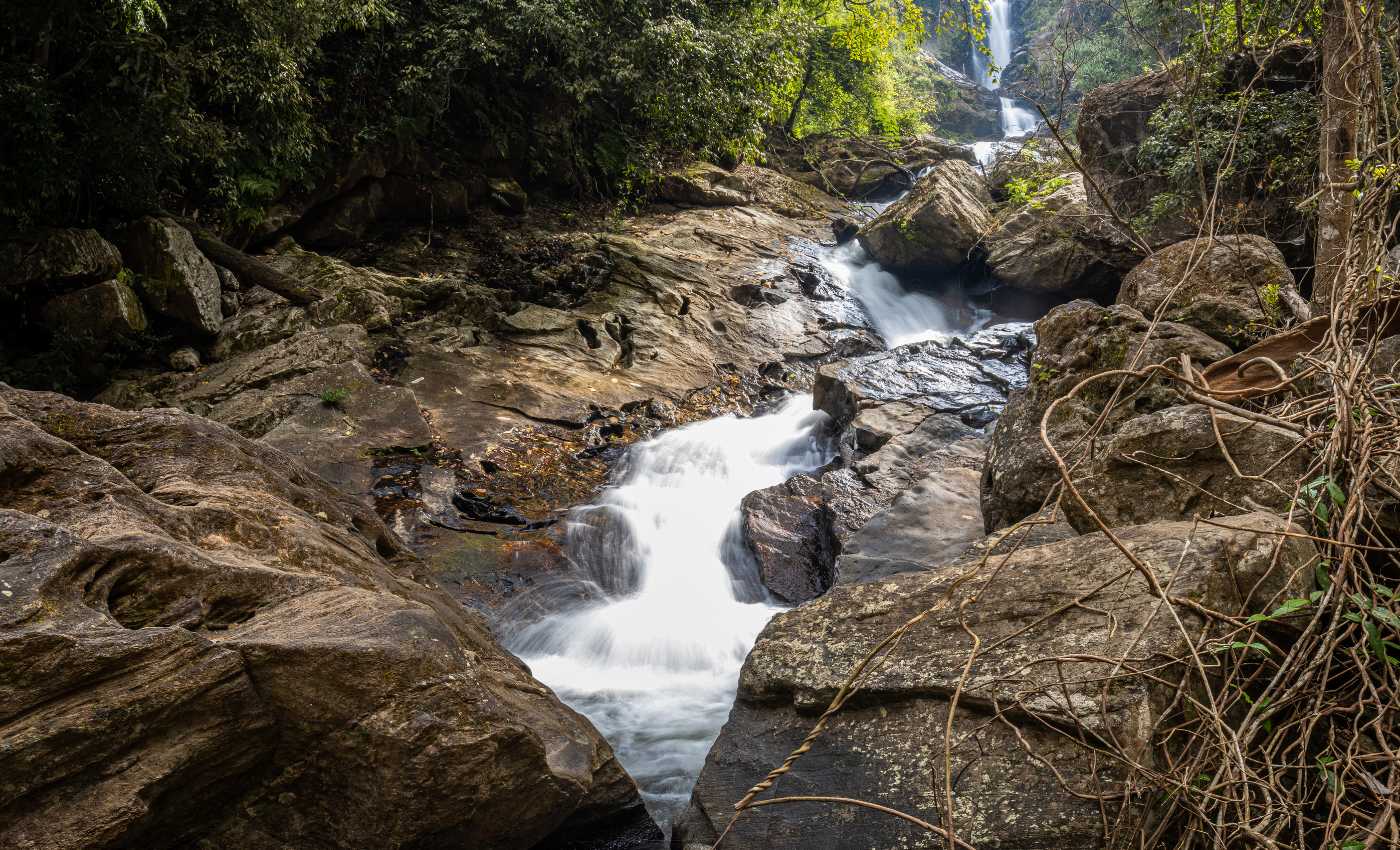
(786, 529)
(1040, 653)
(1052, 244)
(203, 642)
(51, 258)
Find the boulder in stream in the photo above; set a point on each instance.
(937, 226)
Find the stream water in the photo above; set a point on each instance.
(667, 601)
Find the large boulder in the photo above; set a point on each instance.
(203, 644)
(1073, 342)
(175, 279)
(48, 259)
(786, 529)
(1113, 122)
(937, 226)
(1051, 625)
(97, 314)
(967, 376)
(1230, 287)
(1053, 244)
(1169, 464)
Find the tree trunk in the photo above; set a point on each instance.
(250, 270)
(791, 123)
(1343, 63)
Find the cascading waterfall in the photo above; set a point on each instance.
(654, 661)
(1016, 121)
(899, 315)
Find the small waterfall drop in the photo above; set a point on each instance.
(654, 660)
(899, 315)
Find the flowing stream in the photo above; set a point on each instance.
(654, 661)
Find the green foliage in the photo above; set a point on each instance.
(1033, 190)
(1255, 145)
(334, 396)
(117, 107)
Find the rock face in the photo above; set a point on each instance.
(176, 280)
(1229, 287)
(1052, 244)
(970, 377)
(47, 259)
(1034, 623)
(704, 185)
(101, 313)
(201, 642)
(936, 226)
(1074, 341)
(786, 529)
(1113, 122)
(1169, 465)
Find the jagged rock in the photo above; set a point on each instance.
(1168, 465)
(936, 226)
(184, 359)
(229, 303)
(1048, 244)
(843, 229)
(785, 528)
(50, 258)
(971, 376)
(1034, 622)
(1229, 287)
(175, 279)
(1113, 122)
(873, 427)
(1074, 341)
(99, 313)
(202, 643)
(704, 185)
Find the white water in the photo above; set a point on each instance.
(1016, 121)
(654, 663)
(899, 315)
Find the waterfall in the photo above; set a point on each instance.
(654, 661)
(1016, 121)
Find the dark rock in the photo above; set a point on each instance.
(175, 279)
(843, 229)
(507, 195)
(1285, 67)
(936, 226)
(755, 295)
(184, 359)
(1169, 465)
(949, 376)
(1031, 689)
(1074, 341)
(204, 644)
(1229, 287)
(344, 220)
(100, 313)
(229, 303)
(785, 528)
(817, 284)
(423, 199)
(52, 258)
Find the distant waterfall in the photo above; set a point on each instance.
(1016, 121)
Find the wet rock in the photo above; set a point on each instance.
(1033, 625)
(704, 185)
(936, 226)
(99, 314)
(843, 229)
(817, 284)
(1229, 287)
(785, 528)
(175, 279)
(203, 643)
(184, 359)
(873, 427)
(1074, 341)
(49, 259)
(957, 375)
(1169, 465)
(1049, 245)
